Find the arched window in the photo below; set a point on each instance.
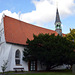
(17, 57)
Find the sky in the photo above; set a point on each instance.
(41, 12)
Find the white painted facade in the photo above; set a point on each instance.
(7, 52)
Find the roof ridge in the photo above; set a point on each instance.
(30, 24)
(17, 31)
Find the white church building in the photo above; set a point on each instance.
(13, 37)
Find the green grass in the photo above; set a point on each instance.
(47, 73)
(61, 72)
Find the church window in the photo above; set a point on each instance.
(32, 66)
(17, 57)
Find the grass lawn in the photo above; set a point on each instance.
(47, 73)
(62, 72)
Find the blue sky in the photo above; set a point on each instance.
(17, 5)
(41, 12)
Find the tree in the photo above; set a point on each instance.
(4, 66)
(50, 50)
(71, 36)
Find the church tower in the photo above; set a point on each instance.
(58, 28)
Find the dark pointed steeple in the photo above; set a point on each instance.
(58, 28)
(57, 17)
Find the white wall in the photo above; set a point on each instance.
(12, 59)
(2, 45)
(7, 52)
(2, 32)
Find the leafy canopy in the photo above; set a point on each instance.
(50, 50)
(71, 35)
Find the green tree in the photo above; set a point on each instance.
(71, 35)
(50, 50)
(4, 66)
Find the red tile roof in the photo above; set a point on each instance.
(17, 31)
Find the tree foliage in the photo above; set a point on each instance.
(4, 66)
(50, 50)
(71, 36)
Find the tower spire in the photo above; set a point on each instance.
(57, 17)
(58, 23)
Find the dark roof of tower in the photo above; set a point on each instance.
(57, 17)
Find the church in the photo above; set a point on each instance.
(13, 37)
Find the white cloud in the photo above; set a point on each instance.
(45, 11)
(9, 13)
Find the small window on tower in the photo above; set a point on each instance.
(57, 25)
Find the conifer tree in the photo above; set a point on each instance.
(50, 50)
